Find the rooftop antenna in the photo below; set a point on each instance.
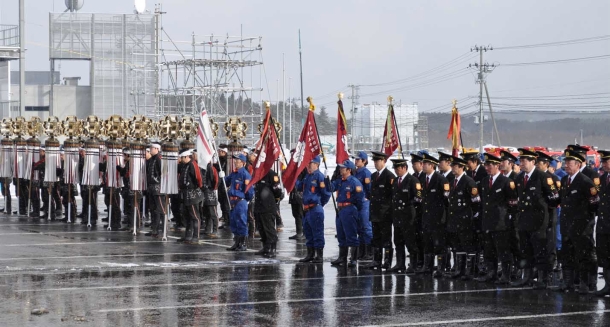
(140, 6)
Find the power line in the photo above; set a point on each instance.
(560, 61)
(558, 43)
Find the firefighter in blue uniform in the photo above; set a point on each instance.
(314, 188)
(365, 231)
(349, 201)
(238, 180)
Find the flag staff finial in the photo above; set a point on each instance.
(390, 99)
(312, 107)
(267, 105)
(340, 95)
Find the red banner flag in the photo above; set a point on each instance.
(341, 153)
(268, 151)
(390, 134)
(307, 149)
(454, 131)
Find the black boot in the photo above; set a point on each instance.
(525, 280)
(400, 261)
(567, 283)
(309, 257)
(368, 252)
(242, 246)
(263, 251)
(387, 260)
(342, 259)
(376, 262)
(540, 284)
(426, 267)
(469, 267)
(505, 278)
(235, 243)
(361, 251)
(606, 290)
(412, 265)
(271, 253)
(490, 274)
(353, 259)
(319, 258)
(460, 265)
(583, 287)
(441, 266)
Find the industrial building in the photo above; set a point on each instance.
(369, 123)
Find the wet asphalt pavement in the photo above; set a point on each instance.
(78, 277)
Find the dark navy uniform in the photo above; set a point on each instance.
(237, 182)
(190, 183)
(153, 192)
(267, 193)
(365, 230)
(602, 232)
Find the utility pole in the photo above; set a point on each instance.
(483, 69)
(355, 96)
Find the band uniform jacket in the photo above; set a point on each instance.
(603, 211)
(496, 202)
(479, 175)
(381, 191)
(534, 199)
(434, 202)
(190, 183)
(210, 185)
(404, 196)
(153, 175)
(460, 210)
(450, 177)
(579, 200)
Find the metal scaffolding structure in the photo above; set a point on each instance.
(222, 74)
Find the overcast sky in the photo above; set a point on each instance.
(373, 42)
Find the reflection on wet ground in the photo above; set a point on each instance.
(70, 275)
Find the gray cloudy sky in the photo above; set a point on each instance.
(373, 42)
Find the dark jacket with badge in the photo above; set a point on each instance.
(603, 210)
(461, 207)
(497, 203)
(210, 185)
(267, 192)
(381, 191)
(434, 202)
(153, 175)
(190, 183)
(479, 175)
(534, 199)
(404, 196)
(578, 202)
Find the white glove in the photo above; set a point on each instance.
(476, 215)
(476, 199)
(221, 174)
(510, 217)
(446, 194)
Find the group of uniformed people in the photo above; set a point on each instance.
(502, 222)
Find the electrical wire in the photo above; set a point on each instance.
(558, 43)
(552, 62)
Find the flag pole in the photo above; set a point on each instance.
(224, 183)
(390, 100)
(312, 107)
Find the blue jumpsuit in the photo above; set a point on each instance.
(238, 181)
(365, 230)
(349, 200)
(315, 197)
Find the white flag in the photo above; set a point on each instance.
(205, 147)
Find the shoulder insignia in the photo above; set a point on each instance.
(391, 180)
(276, 179)
(322, 185)
(596, 181)
(247, 181)
(593, 191)
(358, 189)
(418, 186)
(367, 180)
(474, 191)
(512, 185)
(558, 183)
(549, 181)
(446, 187)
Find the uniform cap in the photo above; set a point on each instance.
(428, 158)
(525, 153)
(491, 158)
(399, 162)
(544, 157)
(185, 152)
(458, 161)
(362, 156)
(240, 156)
(577, 148)
(415, 158)
(604, 154)
(316, 159)
(347, 164)
(573, 155)
(379, 155)
(470, 155)
(442, 156)
(505, 155)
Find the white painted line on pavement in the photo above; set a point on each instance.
(343, 298)
(78, 243)
(472, 320)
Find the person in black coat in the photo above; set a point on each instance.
(463, 201)
(153, 191)
(498, 203)
(536, 192)
(267, 193)
(579, 201)
(543, 163)
(602, 232)
(477, 172)
(507, 166)
(222, 168)
(210, 201)
(381, 213)
(126, 192)
(190, 183)
(434, 204)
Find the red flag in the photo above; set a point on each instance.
(390, 134)
(268, 151)
(341, 152)
(454, 131)
(307, 149)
